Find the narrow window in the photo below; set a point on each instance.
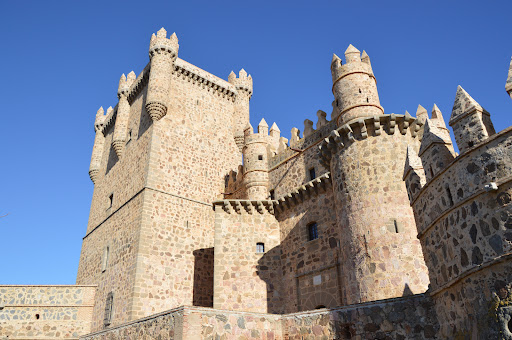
(260, 157)
(312, 231)
(272, 195)
(367, 100)
(37, 316)
(449, 193)
(260, 247)
(108, 309)
(312, 174)
(129, 138)
(396, 226)
(106, 254)
(359, 90)
(110, 200)
(431, 172)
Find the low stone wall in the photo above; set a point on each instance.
(402, 318)
(191, 323)
(411, 317)
(45, 312)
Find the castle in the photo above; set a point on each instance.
(368, 226)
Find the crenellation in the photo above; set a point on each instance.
(508, 84)
(370, 217)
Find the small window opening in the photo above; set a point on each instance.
(272, 195)
(337, 102)
(260, 247)
(312, 174)
(312, 231)
(367, 100)
(106, 254)
(110, 200)
(431, 172)
(129, 136)
(260, 157)
(320, 307)
(470, 144)
(359, 90)
(108, 309)
(449, 193)
(395, 224)
(37, 316)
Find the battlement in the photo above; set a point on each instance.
(160, 44)
(361, 128)
(125, 83)
(248, 206)
(304, 192)
(290, 147)
(355, 63)
(243, 82)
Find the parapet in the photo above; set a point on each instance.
(305, 191)
(360, 129)
(243, 82)
(355, 63)
(249, 206)
(160, 44)
(125, 84)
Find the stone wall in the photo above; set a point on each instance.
(244, 279)
(158, 226)
(402, 318)
(49, 312)
(381, 256)
(311, 267)
(465, 233)
(191, 323)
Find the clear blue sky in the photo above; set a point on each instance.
(62, 60)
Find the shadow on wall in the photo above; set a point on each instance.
(302, 273)
(203, 277)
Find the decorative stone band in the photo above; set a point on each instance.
(305, 191)
(471, 111)
(357, 105)
(343, 75)
(249, 206)
(358, 129)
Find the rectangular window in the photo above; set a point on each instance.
(272, 195)
(109, 307)
(105, 259)
(312, 231)
(110, 201)
(312, 174)
(260, 247)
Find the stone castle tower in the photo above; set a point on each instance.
(367, 225)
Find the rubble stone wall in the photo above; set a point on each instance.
(49, 312)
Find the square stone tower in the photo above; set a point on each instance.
(159, 160)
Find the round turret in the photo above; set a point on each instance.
(255, 153)
(354, 87)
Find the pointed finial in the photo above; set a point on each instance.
(174, 37)
(131, 76)
(335, 59)
(274, 128)
(352, 54)
(162, 33)
(437, 116)
(263, 122)
(421, 114)
(100, 111)
(242, 73)
(263, 127)
(463, 103)
(122, 81)
(109, 110)
(413, 162)
(153, 37)
(407, 115)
